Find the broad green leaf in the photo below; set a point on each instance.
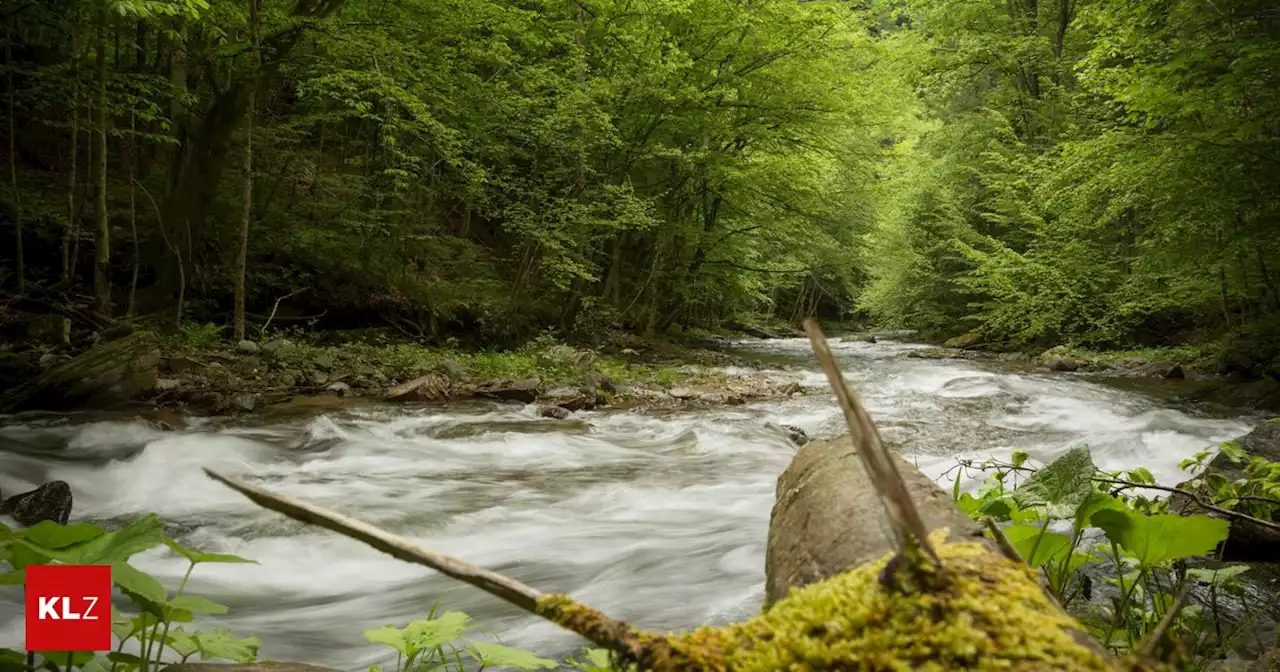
(1060, 487)
(196, 605)
(124, 658)
(104, 664)
(220, 644)
(428, 633)
(59, 658)
(51, 535)
(1052, 545)
(201, 556)
(12, 661)
(389, 635)
(182, 642)
(16, 577)
(137, 582)
(1095, 502)
(1155, 540)
(497, 655)
(1019, 458)
(114, 547)
(1218, 577)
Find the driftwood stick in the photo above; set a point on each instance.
(495, 584)
(880, 466)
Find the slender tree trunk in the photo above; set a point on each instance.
(133, 215)
(246, 213)
(19, 252)
(70, 230)
(102, 233)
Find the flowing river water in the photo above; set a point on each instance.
(660, 518)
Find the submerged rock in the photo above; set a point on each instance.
(51, 501)
(555, 412)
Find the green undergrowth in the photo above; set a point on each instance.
(1189, 356)
(378, 359)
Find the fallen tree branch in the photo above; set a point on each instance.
(493, 583)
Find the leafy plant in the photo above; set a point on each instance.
(1147, 550)
(151, 628)
(432, 643)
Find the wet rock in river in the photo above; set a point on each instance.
(431, 387)
(51, 501)
(525, 391)
(555, 412)
(1062, 364)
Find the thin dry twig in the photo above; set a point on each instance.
(882, 471)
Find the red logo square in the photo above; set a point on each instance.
(68, 607)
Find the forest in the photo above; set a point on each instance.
(1089, 172)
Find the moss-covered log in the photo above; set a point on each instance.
(107, 375)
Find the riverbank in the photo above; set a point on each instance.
(206, 375)
(1210, 374)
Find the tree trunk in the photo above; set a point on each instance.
(71, 229)
(246, 211)
(133, 215)
(102, 232)
(13, 159)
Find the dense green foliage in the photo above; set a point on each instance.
(1092, 171)
(1157, 566)
(480, 167)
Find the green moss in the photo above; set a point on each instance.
(992, 615)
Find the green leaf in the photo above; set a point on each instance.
(1052, 545)
(428, 633)
(1061, 487)
(16, 577)
(1019, 458)
(115, 547)
(1095, 502)
(182, 642)
(12, 661)
(497, 655)
(137, 582)
(1218, 577)
(197, 605)
(200, 556)
(59, 658)
(1142, 475)
(389, 635)
(1155, 540)
(222, 645)
(51, 535)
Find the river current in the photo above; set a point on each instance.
(660, 518)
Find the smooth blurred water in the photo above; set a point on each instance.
(660, 518)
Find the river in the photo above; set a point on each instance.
(660, 518)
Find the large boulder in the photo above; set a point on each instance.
(105, 376)
(962, 341)
(51, 501)
(827, 518)
(1247, 542)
